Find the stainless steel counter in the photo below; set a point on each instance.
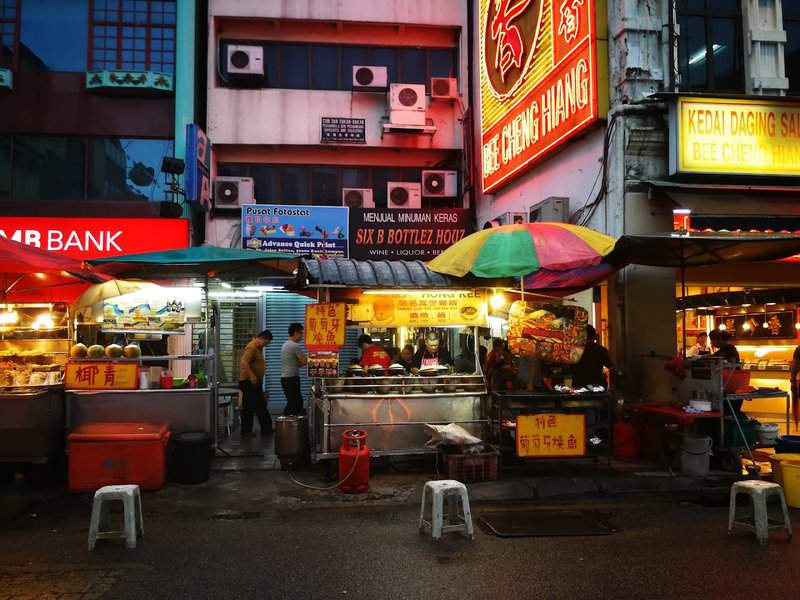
(393, 413)
(31, 423)
(182, 409)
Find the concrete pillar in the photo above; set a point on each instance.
(185, 48)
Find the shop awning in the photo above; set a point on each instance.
(699, 249)
(739, 298)
(343, 272)
(198, 261)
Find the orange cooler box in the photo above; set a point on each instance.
(116, 453)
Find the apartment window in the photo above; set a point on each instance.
(710, 49)
(9, 19)
(48, 168)
(321, 185)
(135, 35)
(791, 23)
(53, 35)
(127, 169)
(5, 167)
(77, 168)
(330, 67)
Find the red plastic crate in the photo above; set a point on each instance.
(472, 468)
(117, 453)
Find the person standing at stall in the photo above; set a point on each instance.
(589, 369)
(372, 353)
(292, 358)
(700, 345)
(431, 354)
(251, 374)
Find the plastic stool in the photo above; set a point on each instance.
(759, 492)
(450, 492)
(132, 508)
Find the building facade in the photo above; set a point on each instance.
(661, 66)
(94, 94)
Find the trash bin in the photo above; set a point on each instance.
(291, 440)
(191, 457)
(695, 454)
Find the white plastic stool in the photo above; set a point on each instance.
(131, 500)
(446, 491)
(759, 492)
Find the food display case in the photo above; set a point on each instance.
(34, 342)
(393, 410)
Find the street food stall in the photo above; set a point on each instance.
(392, 403)
(35, 328)
(111, 379)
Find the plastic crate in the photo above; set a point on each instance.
(472, 468)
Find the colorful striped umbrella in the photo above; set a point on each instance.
(519, 250)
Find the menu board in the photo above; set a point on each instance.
(325, 326)
(422, 309)
(551, 435)
(159, 309)
(101, 375)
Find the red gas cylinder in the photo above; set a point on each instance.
(354, 450)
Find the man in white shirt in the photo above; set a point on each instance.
(700, 345)
(292, 358)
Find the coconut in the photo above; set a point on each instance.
(113, 351)
(95, 351)
(78, 351)
(132, 351)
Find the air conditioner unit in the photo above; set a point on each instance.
(554, 209)
(401, 194)
(245, 60)
(233, 192)
(439, 184)
(444, 88)
(407, 117)
(407, 96)
(357, 198)
(370, 79)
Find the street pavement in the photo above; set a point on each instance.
(248, 535)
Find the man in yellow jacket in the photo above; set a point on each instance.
(251, 374)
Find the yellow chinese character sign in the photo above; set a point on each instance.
(325, 326)
(551, 435)
(101, 375)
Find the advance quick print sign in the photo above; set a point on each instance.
(314, 231)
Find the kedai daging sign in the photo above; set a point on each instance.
(538, 78)
(747, 137)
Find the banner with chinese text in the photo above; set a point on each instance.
(325, 326)
(551, 435)
(101, 375)
(422, 309)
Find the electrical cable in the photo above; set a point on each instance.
(325, 489)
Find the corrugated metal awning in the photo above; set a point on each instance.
(343, 272)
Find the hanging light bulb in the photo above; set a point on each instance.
(722, 327)
(746, 326)
(497, 301)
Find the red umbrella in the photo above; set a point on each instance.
(29, 274)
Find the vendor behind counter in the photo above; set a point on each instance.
(432, 354)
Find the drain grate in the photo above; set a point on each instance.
(235, 515)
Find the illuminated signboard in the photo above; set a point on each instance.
(538, 81)
(727, 136)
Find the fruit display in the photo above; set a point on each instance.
(112, 351)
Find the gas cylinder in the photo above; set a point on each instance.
(354, 447)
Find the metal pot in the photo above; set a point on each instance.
(291, 440)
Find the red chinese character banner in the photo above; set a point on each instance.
(539, 81)
(325, 326)
(101, 375)
(551, 435)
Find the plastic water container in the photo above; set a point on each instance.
(775, 461)
(788, 444)
(695, 454)
(791, 482)
(767, 433)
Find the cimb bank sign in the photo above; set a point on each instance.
(88, 238)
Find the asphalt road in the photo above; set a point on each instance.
(663, 549)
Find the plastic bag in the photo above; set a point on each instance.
(450, 435)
